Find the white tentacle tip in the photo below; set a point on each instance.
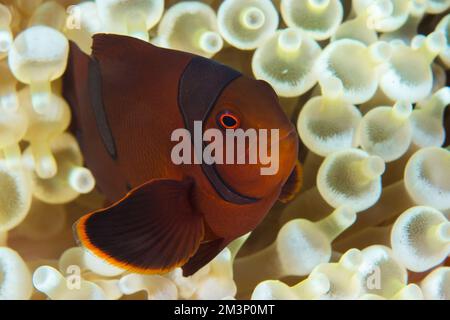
(253, 18)
(290, 39)
(436, 41)
(82, 180)
(352, 259)
(403, 109)
(320, 283)
(443, 232)
(345, 215)
(211, 42)
(374, 167)
(331, 86)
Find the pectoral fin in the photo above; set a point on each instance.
(292, 185)
(152, 230)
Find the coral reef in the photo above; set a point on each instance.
(364, 81)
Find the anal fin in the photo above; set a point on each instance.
(205, 253)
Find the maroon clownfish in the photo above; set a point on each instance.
(127, 99)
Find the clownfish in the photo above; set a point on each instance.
(127, 98)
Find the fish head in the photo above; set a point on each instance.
(260, 144)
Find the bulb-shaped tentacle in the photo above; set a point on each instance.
(109, 286)
(362, 27)
(15, 183)
(425, 183)
(437, 6)
(436, 285)
(277, 61)
(70, 257)
(309, 289)
(319, 19)
(430, 46)
(99, 266)
(386, 131)
(87, 261)
(213, 281)
(356, 65)
(77, 261)
(343, 276)
(44, 163)
(15, 278)
(219, 283)
(351, 177)
(420, 238)
(51, 14)
(81, 179)
(156, 287)
(82, 23)
(408, 76)
(43, 128)
(382, 274)
(427, 120)
(328, 123)
(393, 21)
(13, 120)
(187, 285)
(130, 17)
(408, 30)
(52, 283)
(6, 36)
(391, 14)
(37, 57)
(247, 24)
(71, 179)
(191, 26)
(427, 177)
(356, 29)
(311, 241)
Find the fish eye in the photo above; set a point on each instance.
(227, 120)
